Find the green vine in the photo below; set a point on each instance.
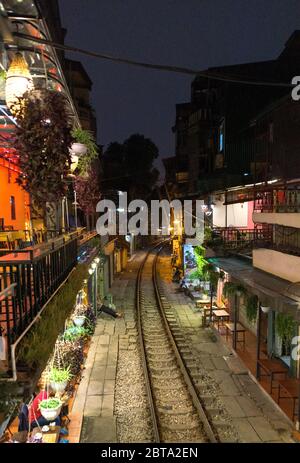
(285, 328)
(251, 308)
(33, 350)
(86, 138)
(231, 288)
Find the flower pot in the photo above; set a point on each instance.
(79, 320)
(79, 148)
(58, 387)
(50, 414)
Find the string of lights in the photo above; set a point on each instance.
(159, 67)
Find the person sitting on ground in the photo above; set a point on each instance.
(109, 309)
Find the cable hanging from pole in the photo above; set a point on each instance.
(158, 67)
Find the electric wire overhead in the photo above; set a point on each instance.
(159, 67)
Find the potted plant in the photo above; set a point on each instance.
(50, 408)
(74, 333)
(79, 316)
(85, 147)
(59, 378)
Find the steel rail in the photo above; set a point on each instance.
(143, 351)
(187, 378)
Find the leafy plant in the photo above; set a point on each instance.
(42, 140)
(285, 328)
(232, 288)
(2, 74)
(212, 275)
(75, 332)
(88, 191)
(33, 350)
(86, 138)
(251, 308)
(71, 354)
(50, 403)
(60, 375)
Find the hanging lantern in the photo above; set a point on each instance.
(18, 82)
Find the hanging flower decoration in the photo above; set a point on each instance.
(88, 191)
(18, 82)
(42, 139)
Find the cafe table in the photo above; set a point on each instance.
(220, 315)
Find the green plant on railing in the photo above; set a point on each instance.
(285, 328)
(36, 346)
(60, 375)
(251, 308)
(230, 289)
(86, 138)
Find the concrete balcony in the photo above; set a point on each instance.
(277, 263)
(288, 219)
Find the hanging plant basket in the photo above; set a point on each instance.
(79, 320)
(79, 149)
(58, 387)
(50, 408)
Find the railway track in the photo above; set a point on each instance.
(176, 410)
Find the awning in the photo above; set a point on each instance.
(281, 295)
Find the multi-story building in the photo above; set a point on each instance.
(242, 151)
(80, 86)
(210, 127)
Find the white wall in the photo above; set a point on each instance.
(237, 214)
(291, 219)
(277, 263)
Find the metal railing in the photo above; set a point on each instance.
(237, 238)
(37, 273)
(278, 201)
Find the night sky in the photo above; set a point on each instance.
(191, 33)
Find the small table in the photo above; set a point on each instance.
(290, 387)
(220, 316)
(239, 329)
(50, 437)
(272, 368)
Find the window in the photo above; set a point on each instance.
(13, 208)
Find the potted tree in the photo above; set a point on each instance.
(50, 408)
(59, 378)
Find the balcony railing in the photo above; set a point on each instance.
(240, 238)
(37, 273)
(278, 201)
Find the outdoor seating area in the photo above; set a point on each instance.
(272, 373)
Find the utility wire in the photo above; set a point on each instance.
(159, 67)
